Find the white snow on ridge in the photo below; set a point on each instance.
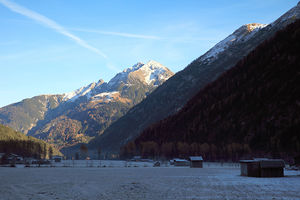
(149, 73)
(122, 76)
(72, 96)
(247, 31)
(242, 34)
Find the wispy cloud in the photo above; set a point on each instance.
(128, 35)
(49, 23)
(151, 37)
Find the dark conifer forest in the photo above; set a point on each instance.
(252, 110)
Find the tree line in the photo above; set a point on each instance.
(27, 148)
(210, 152)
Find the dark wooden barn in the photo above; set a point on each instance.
(262, 168)
(196, 162)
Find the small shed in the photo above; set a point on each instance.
(181, 162)
(136, 158)
(196, 162)
(14, 158)
(262, 167)
(57, 158)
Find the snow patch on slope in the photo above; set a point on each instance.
(105, 94)
(72, 96)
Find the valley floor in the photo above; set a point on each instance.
(210, 182)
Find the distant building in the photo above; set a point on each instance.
(57, 158)
(136, 158)
(15, 158)
(262, 167)
(10, 158)
(29, 160)
(196, 162)
(181, 162)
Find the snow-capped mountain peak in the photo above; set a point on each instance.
(151, 73)
(154, 72)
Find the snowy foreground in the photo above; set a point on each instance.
(142, 181)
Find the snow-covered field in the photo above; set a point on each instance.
(142, 181)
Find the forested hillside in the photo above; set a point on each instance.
(171, 96)
(14, 142)
(251, 110)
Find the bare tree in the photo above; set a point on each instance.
(83, 151)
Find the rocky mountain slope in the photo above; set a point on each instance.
(174, 93)
(84, 113)
(252, 109)
(24, 115)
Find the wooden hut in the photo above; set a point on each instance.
(262, 168)
(181, 162)
(196, 162)
(57, 158)
(136, 158)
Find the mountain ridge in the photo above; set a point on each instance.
(79, 115)
(253, 109)
(174, 93)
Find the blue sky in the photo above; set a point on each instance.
(57, 46)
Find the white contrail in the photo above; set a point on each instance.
(128, 35)
(49, 23)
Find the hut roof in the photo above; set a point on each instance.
(248, 161)
(196, 158)
(272, 163)
(180, 160)
(266, 163)
(56, 157)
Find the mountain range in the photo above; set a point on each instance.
(170, 97)
(110, 115)
(78, 116)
